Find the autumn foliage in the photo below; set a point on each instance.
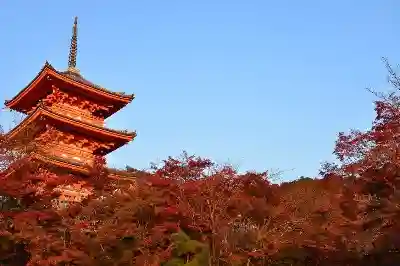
(191, 211)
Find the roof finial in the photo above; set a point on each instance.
(73, 50)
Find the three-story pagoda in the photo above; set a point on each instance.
(65, 116)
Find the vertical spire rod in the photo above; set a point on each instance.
(73, 50)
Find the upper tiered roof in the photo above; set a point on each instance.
(70, 80)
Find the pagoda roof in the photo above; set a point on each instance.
(74, 166)
(79, 166)
(82, 168)
(121, 137)
(74, 78)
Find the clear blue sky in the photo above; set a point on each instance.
(259, 84)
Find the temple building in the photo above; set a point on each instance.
(65, 116)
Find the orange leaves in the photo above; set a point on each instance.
(158, 181)
(170, 211)
(185, 168)
(82, 225)
(206, 203)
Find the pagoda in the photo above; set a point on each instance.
(65, 116)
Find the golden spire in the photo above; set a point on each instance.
(73, 50)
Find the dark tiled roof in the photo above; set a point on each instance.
(78, 77)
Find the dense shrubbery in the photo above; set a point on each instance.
(189, 211)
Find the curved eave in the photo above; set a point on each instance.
(77, 167)
(47, 69)
(81, 168)
(71, 165)
(40, 111)
(57, 162)
(25, 91)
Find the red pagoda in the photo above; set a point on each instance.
(65, 116)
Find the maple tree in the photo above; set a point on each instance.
(370, 163)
